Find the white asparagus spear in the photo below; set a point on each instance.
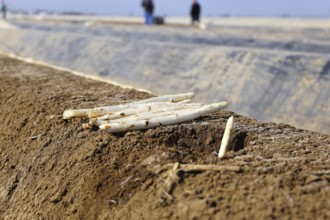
(143, 116)
(149, 108)
(98, 111)
(168, 98)
(185, 101)
(149, 115)
(166, 120)
(78, 113)
(92, 113)
(131, 109)
(226, 137)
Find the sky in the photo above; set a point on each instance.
(268, 8)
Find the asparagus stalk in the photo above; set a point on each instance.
(185, 101)
(149, 108)
(142, 116)
(163, 120)
(92, 113)
(95, 112)
(226, 137)
(99, 111)
(78, 113)
(168, 98)
(200, 167)
(149, 115)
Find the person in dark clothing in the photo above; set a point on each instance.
(3, 9)
(195, 12)
(148, 6)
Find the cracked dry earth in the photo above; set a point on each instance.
(53, 169)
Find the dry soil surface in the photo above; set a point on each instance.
(51, 168)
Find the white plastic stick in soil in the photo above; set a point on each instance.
(165, 120)
(226, 137)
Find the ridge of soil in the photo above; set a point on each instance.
(52, 168)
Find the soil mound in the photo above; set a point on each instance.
(52, 168)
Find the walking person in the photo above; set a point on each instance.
(148, 6)
(3, 9)
(195, 12)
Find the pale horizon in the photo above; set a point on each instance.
(210, 8)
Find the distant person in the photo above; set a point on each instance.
(195, 12)
(148, 6)
(3, 9)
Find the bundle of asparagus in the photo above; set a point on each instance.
(144, 114)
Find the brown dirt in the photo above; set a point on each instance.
(53, 169)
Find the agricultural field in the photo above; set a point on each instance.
(274, 79)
